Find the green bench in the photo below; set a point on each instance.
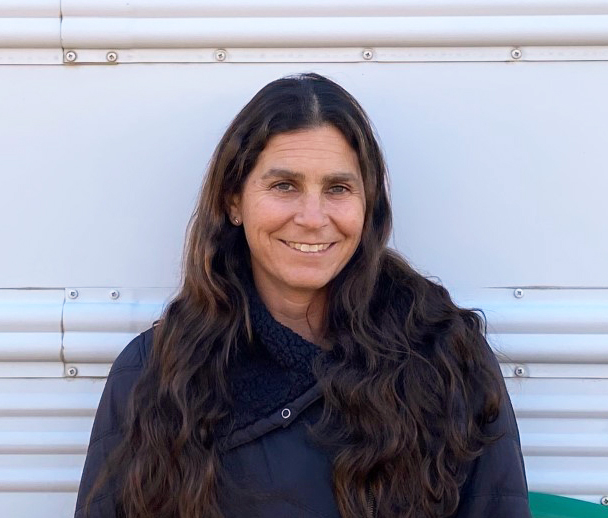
(551, 506)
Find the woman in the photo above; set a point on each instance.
(304, 369)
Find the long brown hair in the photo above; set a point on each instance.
(411, 383)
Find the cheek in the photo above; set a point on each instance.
(351, 220)
(263, 217)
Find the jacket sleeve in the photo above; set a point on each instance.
(107, 431)
(496, 485)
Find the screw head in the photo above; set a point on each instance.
(220, 55)
(368, 53)
(73, 294)
(114, 294)
(518, 293)
(71, 56)
(72, 372)
(111, 56)
(604, 500)
(520, 371)
(516, 53)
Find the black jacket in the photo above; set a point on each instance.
(279, 472)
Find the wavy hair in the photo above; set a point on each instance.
(412, 382)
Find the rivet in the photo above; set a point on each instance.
(516, 53)
(520, 371)
(285, 413)
(73, 294)
(72, 372)
(604, 500)
(71, 56)
(220, 55)
(114, 294)
(111, 56)
(518, 293)
(368, 53)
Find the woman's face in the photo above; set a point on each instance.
(302, 208)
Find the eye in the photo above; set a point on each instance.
(338, 189)
(283, 186)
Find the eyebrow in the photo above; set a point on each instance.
(295, 175)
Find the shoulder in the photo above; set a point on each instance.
(133, 357)
(125, 372)
(109, 424)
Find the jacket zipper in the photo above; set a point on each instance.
(370, 503)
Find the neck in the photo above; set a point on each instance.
(301, 311)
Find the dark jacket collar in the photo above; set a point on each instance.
(286, 348)
(271, 378)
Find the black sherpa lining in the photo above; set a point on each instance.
(270, 372)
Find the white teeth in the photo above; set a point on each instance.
(305, 247)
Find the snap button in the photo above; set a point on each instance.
(285, 413)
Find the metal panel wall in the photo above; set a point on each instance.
(37, 31)
(553, 352)
(120, 152)
(493, 119)
(30, 31)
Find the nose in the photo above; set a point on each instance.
(311, 212)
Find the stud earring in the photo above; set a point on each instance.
(236, 221)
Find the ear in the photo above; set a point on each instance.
(234, 208)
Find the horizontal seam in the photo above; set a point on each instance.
(120, 370)
(95, 499)
(513, 438)
(498, 495)
(303, 506)
(94, 441)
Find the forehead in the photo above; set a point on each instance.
(321, 149)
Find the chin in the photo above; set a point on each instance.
(308, 284)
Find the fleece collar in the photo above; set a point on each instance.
(271, 378)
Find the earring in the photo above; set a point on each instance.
(236, 221)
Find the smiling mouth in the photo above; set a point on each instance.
(308, 248)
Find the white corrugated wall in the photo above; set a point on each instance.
(493, 118)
